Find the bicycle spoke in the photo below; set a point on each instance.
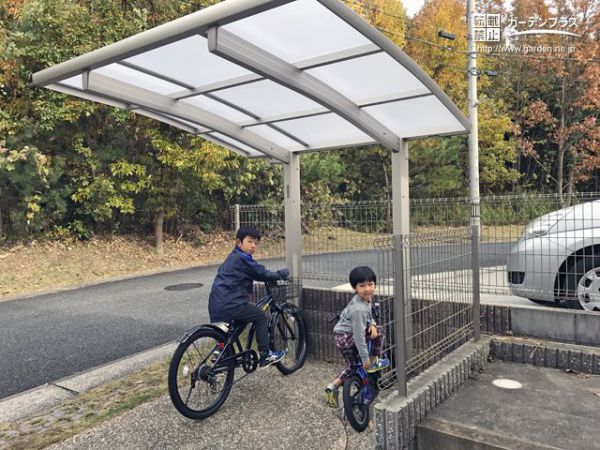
(289, 336)
(198, 384)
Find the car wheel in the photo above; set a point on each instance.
(583, 283)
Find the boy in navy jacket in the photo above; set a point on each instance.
(231, 290)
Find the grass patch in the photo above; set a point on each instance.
(86, 410)
(39, 266)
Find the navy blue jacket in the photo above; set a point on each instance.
(233, 284)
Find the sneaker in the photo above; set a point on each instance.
(379, 364)
(271, 358)
(331, 395)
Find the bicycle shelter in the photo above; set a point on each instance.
(273, 79)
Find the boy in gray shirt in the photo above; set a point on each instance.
(355, 326)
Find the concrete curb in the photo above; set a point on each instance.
(552, 355)
(36, 400)
(396, 417)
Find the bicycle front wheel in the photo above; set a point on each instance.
(200, 374)
(288, 333)
(355, 407)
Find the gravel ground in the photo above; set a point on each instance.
(264, 411)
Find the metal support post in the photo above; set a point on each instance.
(399, 312)
(236, 217)
(476, 294)
(401, 231)
(293, 229)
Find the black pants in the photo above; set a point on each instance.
(251, 313)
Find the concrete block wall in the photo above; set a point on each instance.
(319, 307)
(553, 355)
(495, 319)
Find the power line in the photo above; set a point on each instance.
(490, 54)
(376, 9)
(450, 49)
(433, 44)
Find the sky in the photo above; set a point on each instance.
(412, 6)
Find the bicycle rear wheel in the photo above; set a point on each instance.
(355, 407)
(200, 377)
(288, 333)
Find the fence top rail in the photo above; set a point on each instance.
(425, 237)
(432, 201)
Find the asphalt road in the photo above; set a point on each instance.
(48, 337)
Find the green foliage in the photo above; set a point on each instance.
(518, 212)
(30, 191)
(438, 167)
(74, 167)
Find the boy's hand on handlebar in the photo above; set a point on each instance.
(283, 274)
(373, 331)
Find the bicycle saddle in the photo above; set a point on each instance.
(224, 326)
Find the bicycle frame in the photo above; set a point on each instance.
(232, 340)
(226, 351)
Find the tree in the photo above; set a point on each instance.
(103, 164)
(181, 162)
(556, 100)
(447, 66)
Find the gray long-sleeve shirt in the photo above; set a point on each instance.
(355, 318)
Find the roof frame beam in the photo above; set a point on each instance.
(375, 36)
(105, 86)
(154, 74)
(222, 143)
(195, 23)
(237, 50)
(255, 118)
(306, 64)
(392, 98)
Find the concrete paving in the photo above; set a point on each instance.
(266, 410)
(553, 409)
(35, 401)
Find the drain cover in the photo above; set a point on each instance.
(183, 286)
(505, 383)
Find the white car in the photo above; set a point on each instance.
(557, 259)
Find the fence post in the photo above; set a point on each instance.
(236, 217)
(475, 263)
(292, 216)
(400, 275)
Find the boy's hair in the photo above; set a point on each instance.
(361, 274)
(243, 232)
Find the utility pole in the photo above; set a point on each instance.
(475, 220)
(473, 103)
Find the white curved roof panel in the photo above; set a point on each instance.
(266, 78)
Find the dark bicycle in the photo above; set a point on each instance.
(201, 372)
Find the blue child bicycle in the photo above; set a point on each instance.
(360, 390)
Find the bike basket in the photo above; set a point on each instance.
(285, 289)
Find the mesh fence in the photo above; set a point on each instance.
(543, 247)
(555, 264)
(438, 314)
